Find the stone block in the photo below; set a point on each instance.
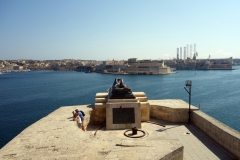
(121, 100)
(139, 94)
(100, 105)
(102, 95)
(98, 115)
(142, 99)
(145, 111)
(100, 100)
(170, 110)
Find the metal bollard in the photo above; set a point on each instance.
(134, 130)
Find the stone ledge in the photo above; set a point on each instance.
(172, 103)
(102, 95)
(122, 100)
(142, 99)
(217, 123)
(139, 94)
(100, 105)
(105, 94)
(100, 100)
(221, 133)
(170, 110)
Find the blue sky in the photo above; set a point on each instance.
(104, 30)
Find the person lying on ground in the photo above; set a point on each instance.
(76, 114)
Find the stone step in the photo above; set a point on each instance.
(100, 105)
(102, 95)
(121, 100)
(142, 99)
(100, 100)
(105, 94)
(139, 94)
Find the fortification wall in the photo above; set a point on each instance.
(221, 133)
(172, 110)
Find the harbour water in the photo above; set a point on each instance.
(27, 97)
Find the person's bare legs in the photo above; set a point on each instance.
(83, 128)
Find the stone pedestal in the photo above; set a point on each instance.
(101, 101)
(123, 114)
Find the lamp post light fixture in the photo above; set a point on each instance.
(189, 85)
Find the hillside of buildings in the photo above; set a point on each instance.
(130, 66)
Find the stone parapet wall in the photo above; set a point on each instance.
(158, 112)
(221, 133)
(171, 110)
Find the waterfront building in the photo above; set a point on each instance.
(134, 66)
(17, 67)
(147, 67)
(201, 64)
(110, 66)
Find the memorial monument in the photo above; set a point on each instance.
(122, 107)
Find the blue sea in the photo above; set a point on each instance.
(29, 96)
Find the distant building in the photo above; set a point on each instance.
(134, 66)
(146, 67)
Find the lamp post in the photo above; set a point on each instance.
(189, 85)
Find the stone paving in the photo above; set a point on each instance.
(57, 136)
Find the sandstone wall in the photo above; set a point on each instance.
(221, 133)
(170, 110)
(98, 114)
